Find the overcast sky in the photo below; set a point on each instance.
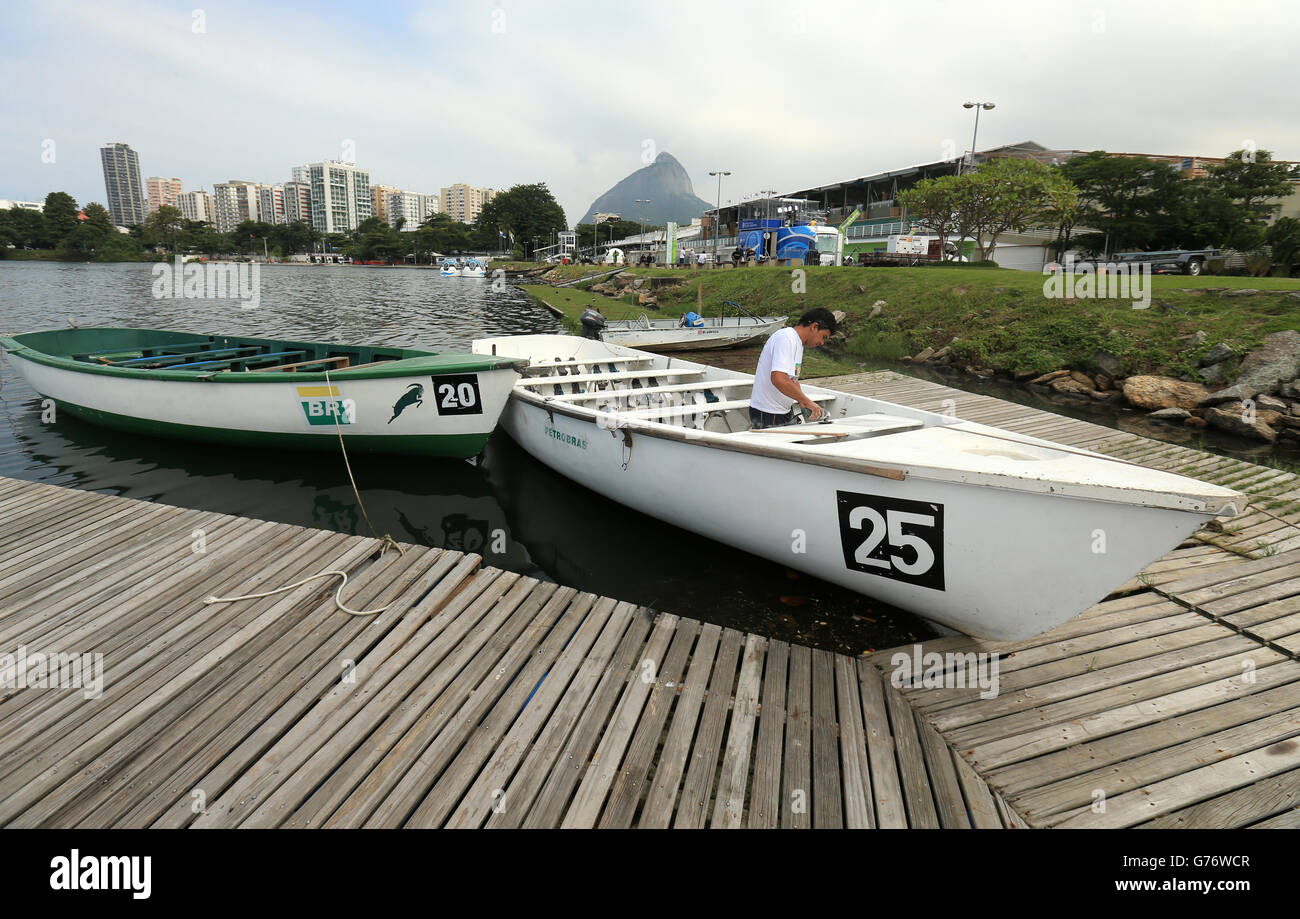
(579, 94)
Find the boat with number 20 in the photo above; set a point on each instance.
(261, 392)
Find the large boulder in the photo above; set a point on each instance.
(1212, 374)
(1071, 386)
(1238, 392)
(1217, 355)
(1049, 377)
(1107, 363)
(1233, 418)
(1153, 393)
(1275, 363)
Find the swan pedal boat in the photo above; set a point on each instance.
(991, 533)
(261, 392)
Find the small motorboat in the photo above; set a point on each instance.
(735, 331)
(995, 534)
(263, 392)
(474, 268)
(449, 268)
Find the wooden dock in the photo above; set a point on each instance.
(478, 698)
(481, 698)
(1174, 703)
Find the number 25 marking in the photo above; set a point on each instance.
(879, 529)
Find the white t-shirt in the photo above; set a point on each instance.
(783, 352)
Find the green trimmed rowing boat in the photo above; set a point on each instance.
(264, 392)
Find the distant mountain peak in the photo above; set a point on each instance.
(667, 187)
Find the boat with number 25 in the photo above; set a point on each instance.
(992, 533)
(261, 392)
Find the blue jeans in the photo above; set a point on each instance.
(760, 419)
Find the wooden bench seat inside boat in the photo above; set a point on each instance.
(172, 360)
(577, 362)
(698, 409)
(607, 377)
(249, 359)
(342, 359)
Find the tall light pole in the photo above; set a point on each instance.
(642, 212)
(976, 106)
(717, 215)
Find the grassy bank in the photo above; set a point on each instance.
(995, 319)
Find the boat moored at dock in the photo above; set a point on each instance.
(269, 392)
(994, 534)
(663, 335)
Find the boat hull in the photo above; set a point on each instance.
(380, 415)
(691, 339)
(1006, 565)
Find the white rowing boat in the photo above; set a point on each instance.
(995, 534)
(670, 335)
(268, 393)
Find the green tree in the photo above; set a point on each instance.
(523, 210)
(23, 229)
(1283, 238)
(60, 215)
(97, 216)
(440, 234)
(162, 227)
(934, 204)
(291, 238)
(1256, 185)
(1011, 195)
(249, 236)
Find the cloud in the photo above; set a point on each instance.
(495, 92)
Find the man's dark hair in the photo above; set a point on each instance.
(821, 316)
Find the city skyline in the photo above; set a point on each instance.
(490, 96)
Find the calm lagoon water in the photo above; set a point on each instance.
(555, 529)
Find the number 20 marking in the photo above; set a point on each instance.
(461, 396)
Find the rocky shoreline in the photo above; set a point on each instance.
(1261, 404)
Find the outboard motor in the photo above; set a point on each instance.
(592, 323)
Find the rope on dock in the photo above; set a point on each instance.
(386, 540)
(338, 598)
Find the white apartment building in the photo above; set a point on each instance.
(270, 203)
(196, 205)
(297, 201)
(6, 204)
(414, 207)
(464, 202)
(234, 202)
(340, 196)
